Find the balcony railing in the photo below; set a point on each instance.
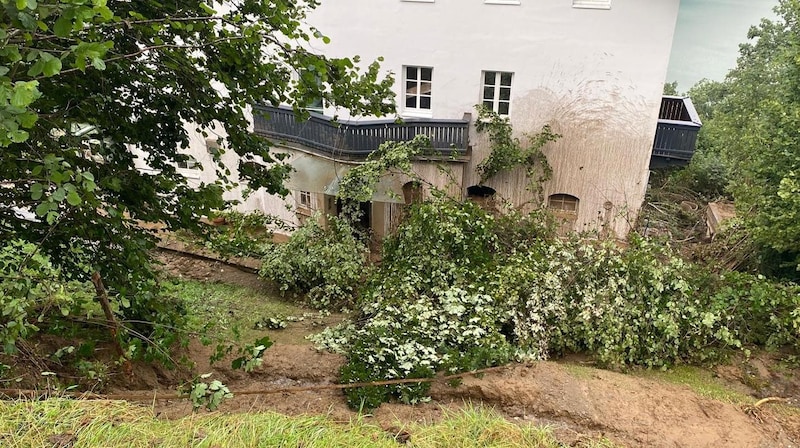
(676, 133)
(357, 139)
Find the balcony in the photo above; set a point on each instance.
(676, 133)
(357, 139)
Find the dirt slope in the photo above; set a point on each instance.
(631, 411)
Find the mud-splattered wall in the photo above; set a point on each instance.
(594, 75)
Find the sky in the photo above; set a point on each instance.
(708, 35)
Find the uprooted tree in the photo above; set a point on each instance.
(82, 82)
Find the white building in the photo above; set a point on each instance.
(592, 69)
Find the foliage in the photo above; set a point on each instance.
(425, 310)
(326, 262)
(706, 176)
(32, 291)
(242, 234)
(208, 395)
(391, 157)
(457, 291)
(671, 88)
(751, 121)
(508, 152)
(91, 90)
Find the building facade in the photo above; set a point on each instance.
(591, 69)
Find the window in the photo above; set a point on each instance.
(496, 93)
(418, 89)
(563, 203)
(565, 210)
(313, 81)
(187, 162)
(305, 199)
(317, 105)
(592, 4)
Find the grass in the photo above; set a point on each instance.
(701, 381)
(116, 423)
(229, 310)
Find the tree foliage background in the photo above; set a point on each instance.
(134, 72)
(751, 122)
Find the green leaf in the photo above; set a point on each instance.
(18, 136)
(98, 64)
(36, 68)
(73, 198)
(25, 93)
(43, 208)
(59, 194)
(52, 67)
(63, 26)
(37, 190)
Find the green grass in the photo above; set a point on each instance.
(115, 423)
(701, 381)
(231, 312)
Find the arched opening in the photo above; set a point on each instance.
(480, 191)
(482, 195)
(565, 208)
(412, 192)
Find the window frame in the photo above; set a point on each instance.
(189, 162)
(419, 95)
(498, 86)
(563, 199)
(304, 199)
(591, 4)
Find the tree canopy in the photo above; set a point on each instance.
(751, 120)
(82, 82)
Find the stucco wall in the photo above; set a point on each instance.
(595, 75)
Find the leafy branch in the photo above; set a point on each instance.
(509, 153)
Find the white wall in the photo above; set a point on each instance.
(595, 75)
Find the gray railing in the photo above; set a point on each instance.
(676, 133)
(357, 139)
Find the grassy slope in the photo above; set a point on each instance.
(114, 423)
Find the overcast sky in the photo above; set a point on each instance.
(708, 35)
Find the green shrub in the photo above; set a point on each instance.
(458, 291)
(243, 234)
(32, 290)
(328, 263)
(424, 309)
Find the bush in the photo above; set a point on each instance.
(423, 310)
(243, 234)
(458, 292)
(31, 292)
(327, 263)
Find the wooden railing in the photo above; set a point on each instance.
(676, 133)
(357, 139)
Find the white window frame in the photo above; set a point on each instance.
(189, 163)
(417, 111)
(591, 4)
(305, 199)
(497, 85)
